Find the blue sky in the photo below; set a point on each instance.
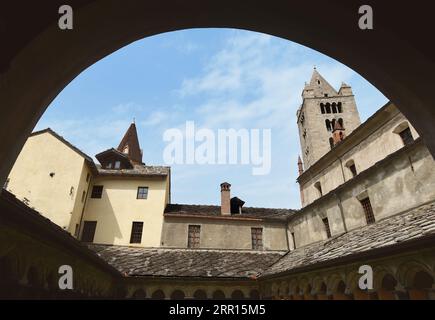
(218, 78)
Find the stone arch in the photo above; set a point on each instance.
(139, 294)
(237, 295)
(320, 288)
(410, 274)
(178, 295)
(200, 294)
(158, 295)
(218, 295)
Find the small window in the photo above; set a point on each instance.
(193, 240)
(257, 238)
(327, 228)
(76, 230)
(322, 108)
(406, 136)
(334, 108)
(97, 192)
(83, 196)
(328, 125)
(352, 169)
(328, 108)
(294, 240)
(89, 231)
(326, 95)
(88, 176)
(318, 81)
(142, 193)
(109, 165)
(339, 108)
(5, 186)
(318, 186)
(367, 206)
(136, 232)
(117, 164)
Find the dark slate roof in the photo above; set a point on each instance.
(197, 263)
(215, 211)
(417, 224)
(137, 171)
(131, 140)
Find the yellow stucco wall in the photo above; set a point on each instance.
(118, 208)
(58, 197)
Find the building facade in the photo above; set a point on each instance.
(367, 193)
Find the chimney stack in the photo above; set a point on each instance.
(225, 199)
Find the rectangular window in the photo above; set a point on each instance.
(136, 232)
(97, 192)
(294, 240)
(193, 240)
(88, 176)
(76, 231)
(117, 164)
(83, 196)
(257, 238)
(142, 193)
(406, 136)
(367, 206)
(89, 231)
(352, 169)
(327, 228)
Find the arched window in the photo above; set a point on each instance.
(177, 295)
(200, 295)
(318, 186)
(334, 108)
(331, 142)
(328, 108)
(333, 124)
(237, 295)
(158, 295)
(323, 289)
(218, 295)
(389, 283)
(340, 121)
(328, 125)
(339, 107)
(341, 287)
(322, 108)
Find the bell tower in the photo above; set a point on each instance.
(322, 107)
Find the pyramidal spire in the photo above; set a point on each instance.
(320, 86)
(129, 144)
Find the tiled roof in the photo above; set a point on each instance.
(215, 211)
(415, 224)
(197, 263)
(138, 170)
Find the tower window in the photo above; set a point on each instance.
(328, 108)
(334, 108)
(142, 193)
(305, 133)
(318, 186)
(352, 168)
(326, 95)
(257, 238)
(327, 228)
(318, 81)
(136, 232)
(89, 228)
(368, 210)
(97, 192)
(328, 125)
(193, 240)
(406, 136)
(339, 107)
(341, 123)
(322, 108)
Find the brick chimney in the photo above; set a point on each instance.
(225, 199)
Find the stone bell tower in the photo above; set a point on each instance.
(322, 107)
